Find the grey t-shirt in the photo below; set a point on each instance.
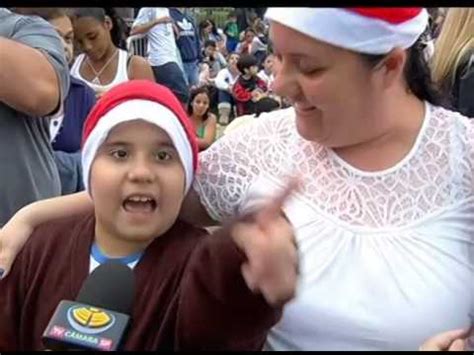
(27, 168)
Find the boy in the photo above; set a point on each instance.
(231, 30)
(193, 291)
(249, 88)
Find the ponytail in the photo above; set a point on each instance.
(118, 29)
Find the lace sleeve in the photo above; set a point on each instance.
(230, 165)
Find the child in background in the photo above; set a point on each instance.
(249, 88)
(224, 82)
(194, 291)
(266, 74)
(231, 30)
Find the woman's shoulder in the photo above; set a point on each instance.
(270, 126)
(211, 119)
(447, 120)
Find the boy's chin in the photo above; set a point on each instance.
(143, 233)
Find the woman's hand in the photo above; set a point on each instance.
(269, 244)
(453, 340)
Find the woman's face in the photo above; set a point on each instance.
(200, 104)
(93, 36)
(334, 91)
(208, 28)
(249, 37)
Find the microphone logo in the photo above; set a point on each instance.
(90, 320)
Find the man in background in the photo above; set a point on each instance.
(187, 40)
(34, 79)
(156, 23)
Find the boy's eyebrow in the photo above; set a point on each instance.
(161, 143)
(116, 143)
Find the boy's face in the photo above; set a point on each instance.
(252, 71)
(137, 185)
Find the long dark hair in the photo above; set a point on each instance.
(416, 73)
(192, 96)
(117, 33)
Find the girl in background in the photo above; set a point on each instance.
(205, 122)
(104, 62)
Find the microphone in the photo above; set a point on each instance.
(99, 317)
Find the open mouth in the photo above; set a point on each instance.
(140, 204)
(303, 108)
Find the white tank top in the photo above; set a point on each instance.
(120, 76)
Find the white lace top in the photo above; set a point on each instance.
(386, 258)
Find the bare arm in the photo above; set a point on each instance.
(142, 29)
(30, 70)
(18, 229)
(140, 69)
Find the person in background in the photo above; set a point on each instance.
(262, 106)
(157, 25)
(204, 121)
(244, 17)
(214, 59)
(34, 81)
(259, 46)
(209, 31)
(224, 82)
(66, 132)
(248, 88)
(245, 44)
(266, 74)
(453, 60)
(231, 30)
(187, 40)
(103, 63)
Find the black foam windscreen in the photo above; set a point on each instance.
(111, 286)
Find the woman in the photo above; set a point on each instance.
(205, 122)
(385, 217)
(208, 31)
(246, 43)
(103, 64)
(453, 60)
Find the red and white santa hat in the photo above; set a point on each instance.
(148, 101)
(370, 30)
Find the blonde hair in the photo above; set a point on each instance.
(454, 44)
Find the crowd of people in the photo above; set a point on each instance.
(331, 150)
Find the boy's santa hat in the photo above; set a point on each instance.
(148, 101)
(374, 30)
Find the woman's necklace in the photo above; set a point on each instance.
(96, 80)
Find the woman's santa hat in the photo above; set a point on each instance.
(148, 101)
(373, 30)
